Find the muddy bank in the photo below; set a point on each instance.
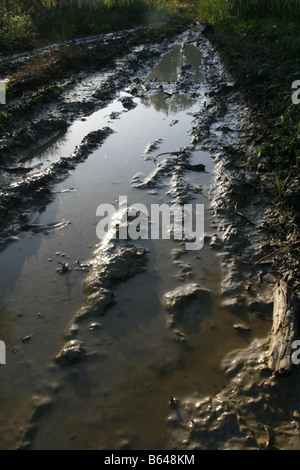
(29, 140)
(257, 410)
(19, 200)
(264, 88)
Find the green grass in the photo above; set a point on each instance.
(16, 31)
(24, 24)
(249, 9)
(36, 101)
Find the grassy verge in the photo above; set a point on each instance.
(25, 24)
(260, 43)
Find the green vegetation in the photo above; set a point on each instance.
(260, 42)
(37, 100)
(249, 9)
(26, 23)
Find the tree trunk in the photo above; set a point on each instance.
(284, 329)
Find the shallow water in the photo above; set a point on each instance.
(120, 396)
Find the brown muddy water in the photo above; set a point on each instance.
(139, 353)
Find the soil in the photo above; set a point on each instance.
(251, 408)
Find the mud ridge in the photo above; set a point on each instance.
(248, 413)
(109, 266)
(19, 200)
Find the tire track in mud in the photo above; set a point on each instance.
(245, 414)
(18, 196)
(256, 410)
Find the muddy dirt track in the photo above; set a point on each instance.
(139, 343)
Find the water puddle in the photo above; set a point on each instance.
(140, 353)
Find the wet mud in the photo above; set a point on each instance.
(254, 412)
(140, 344)
(18, 200)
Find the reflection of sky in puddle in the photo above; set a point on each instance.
(166, 71)
(169, 67)
(67, 143)
(169, 105)
(171, 64)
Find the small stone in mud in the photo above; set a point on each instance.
(128, 102)
(64, 268)
(173, 421)
(26, 339)
(71, 353)
(173, 402)
(296, 415)
(124, 444)
(94, 326)
(176, 300)
(180, 337)
(241, 327)
(114, 115)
